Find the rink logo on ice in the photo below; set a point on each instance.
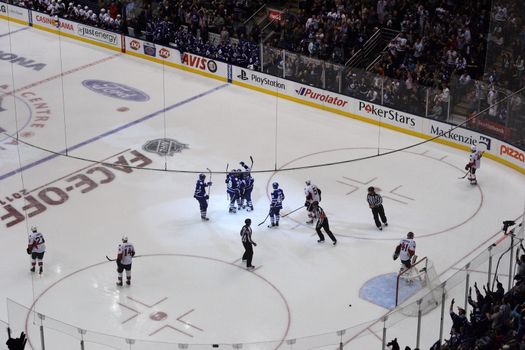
(512, 152)
(199, 62)
(263, 81)
(116, 90)
(97, 34)
(389, 114)
(19, 205)
(149, 49)
(134, 44)
(455, 135)
(164, 53)
(326, 98)
(21, 61)
(164, 147)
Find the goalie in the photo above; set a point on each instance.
(406, 250)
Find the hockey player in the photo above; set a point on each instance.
(36, 247)
(125, 255)
(248, 188)
(473, 164)
(313, 194)
(201, 196)
(406, 250)
(246, 196)
(322, 223)
(276, 205)
(232, 188)
(242, 187)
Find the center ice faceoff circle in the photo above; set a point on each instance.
(173, 298)
(404, 180)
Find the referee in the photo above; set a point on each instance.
(375, 202)
(246, 237)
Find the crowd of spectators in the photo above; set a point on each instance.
(497, 319)
(506, 42)
(110, 19)
(434, 64)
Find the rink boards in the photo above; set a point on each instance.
(368, 112)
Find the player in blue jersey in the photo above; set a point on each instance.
(248, 187)
(201, 196)
(276, 204)
(242, 187)
(232, 188)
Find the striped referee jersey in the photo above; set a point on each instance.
(246, 234)
(374, 200)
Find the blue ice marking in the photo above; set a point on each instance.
(113, 131)
(381, 290)
(13, 32)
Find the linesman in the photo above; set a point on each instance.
(375, 202)
(246, 238)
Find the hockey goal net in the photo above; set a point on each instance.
(418, 283)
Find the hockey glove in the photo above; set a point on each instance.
(307, 204)
(468, 166)
(28, 250)
(395, 256)
(206, 197)
(209, 183)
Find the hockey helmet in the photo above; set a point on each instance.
(410, 235)
(308, 182)
(33, 229)
(248, 221)
(371, 189)
(202, 176)
(473, 148)
(275, 185)
(124, 239)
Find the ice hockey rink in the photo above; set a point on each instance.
(189, 285)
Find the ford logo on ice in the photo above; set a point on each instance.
(116, 90)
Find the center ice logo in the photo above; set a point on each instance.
(116, 90)
(164, 147)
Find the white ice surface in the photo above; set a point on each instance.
(300, 289)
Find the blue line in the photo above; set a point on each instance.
(111, 132)
(13, 32)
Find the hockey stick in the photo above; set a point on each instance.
(209, 187)
(464, 176)
(227, 166)
(293, 211)
(135, 256)
(266, 218)
(251, 165)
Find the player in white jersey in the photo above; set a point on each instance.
(36, 247)
(313, 194)
(406, 250)
(473, 164)
(125, 255)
